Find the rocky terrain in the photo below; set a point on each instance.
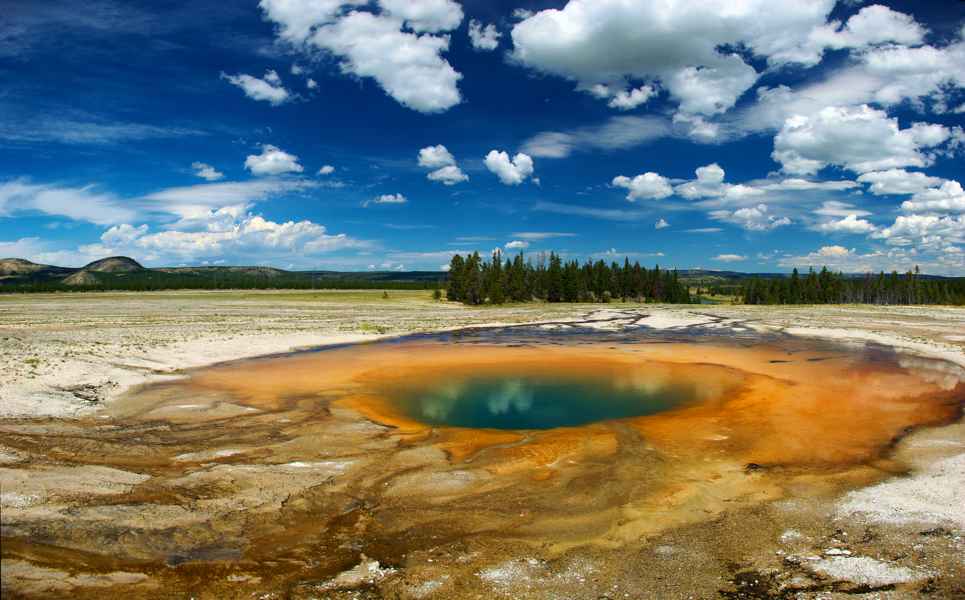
(66, 361)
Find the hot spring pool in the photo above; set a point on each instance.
(518, 401)
(287, 468)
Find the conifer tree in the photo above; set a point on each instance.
(455, 288)
(554, 279)
(494, 285)
(517, 280)
(472, 280)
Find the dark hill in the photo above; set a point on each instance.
(81, 278)
(20, 269)
(123, 273)
(263, 272)
(19, 266)
(114, 264)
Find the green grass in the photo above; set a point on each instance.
(721, 298)
(373, 328)
(334, 296)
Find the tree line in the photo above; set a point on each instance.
(473, 280)
(826, 287)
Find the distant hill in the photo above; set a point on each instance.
(114, 264)
(124, 273)
(266, 272)
(18, 267)
(709, 276)
(81, 278)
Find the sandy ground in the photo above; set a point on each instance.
(64, 354)
(67, 356)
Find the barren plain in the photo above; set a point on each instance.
(126, 470)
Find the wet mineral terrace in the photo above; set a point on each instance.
(515, 462)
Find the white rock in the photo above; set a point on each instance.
(864, 570)
(934, 496)
(366, 572)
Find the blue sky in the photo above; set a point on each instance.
(388, 134)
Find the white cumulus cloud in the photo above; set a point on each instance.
(446, 171)
(676, 42)
(872, 25)
(751, 218)
(649, 185)
(949, 198)
(884, 75)
(228, 233)
(448, 175)
(268, 89)
(623, 99)
(630, 99)
(123, 234)
(898, 181)
(206, 171)
(928, 232)
(387, 199)
(483, 37)
(510, 171)
(861, 139)
(425, 15)
(710, 184)
(433, 157)
(297, 19)
(400, 47)
(849, 224)
(272, 161)
(207, 221)
(712, 89)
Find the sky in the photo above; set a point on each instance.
(390, 134)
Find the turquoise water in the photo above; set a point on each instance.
(538, 402)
